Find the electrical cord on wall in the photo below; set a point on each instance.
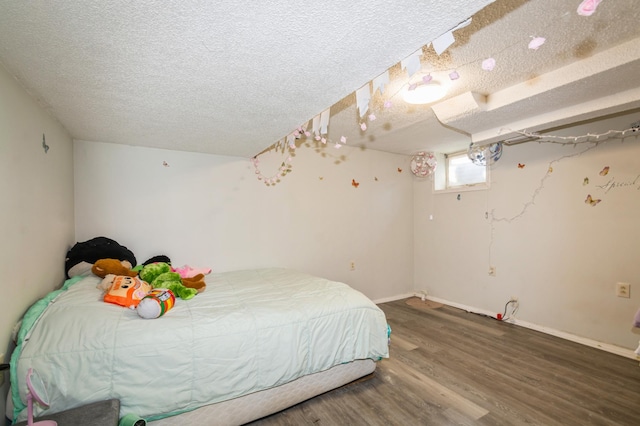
(514, 309)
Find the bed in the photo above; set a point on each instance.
(254, 343)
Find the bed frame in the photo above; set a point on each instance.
(254, 406)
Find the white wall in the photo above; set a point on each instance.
(560, 256)
(36, 218)
(208, 210)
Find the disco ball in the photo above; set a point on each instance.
(479, 154)
(423, 164)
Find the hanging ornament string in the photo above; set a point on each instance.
(575, 140)
(300, 134)
(282, 171)
(478, 153)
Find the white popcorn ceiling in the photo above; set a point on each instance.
(233, 77)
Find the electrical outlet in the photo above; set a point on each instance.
(492, 271)
(623, 290)
(352, 265)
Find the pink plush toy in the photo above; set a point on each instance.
(187, 271)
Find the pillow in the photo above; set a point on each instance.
(125, 291)
(92, 250)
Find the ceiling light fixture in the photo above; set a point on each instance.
(424, 93)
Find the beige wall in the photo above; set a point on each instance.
(560, 256)
(208, 210)
(36, 218)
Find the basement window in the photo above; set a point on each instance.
(459, 173)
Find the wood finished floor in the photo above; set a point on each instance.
(450, 367)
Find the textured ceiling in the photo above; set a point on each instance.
(233, 77)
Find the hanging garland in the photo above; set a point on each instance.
(290, 145)
(284, 169)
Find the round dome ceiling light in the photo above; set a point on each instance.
(424, 93)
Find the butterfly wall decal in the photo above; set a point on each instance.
(591, 201)
(604, 171)
(354, 183)
(521, 166)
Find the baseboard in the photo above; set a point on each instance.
(393, 298)
(627, 353)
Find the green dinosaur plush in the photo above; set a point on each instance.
(159, 275)
(173, 282)
(152, 271)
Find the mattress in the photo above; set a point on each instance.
(248, 332)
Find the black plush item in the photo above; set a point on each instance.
(95, 249)
(158, 259)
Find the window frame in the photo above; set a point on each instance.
(441, 177)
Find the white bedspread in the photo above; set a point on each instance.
(250, 330)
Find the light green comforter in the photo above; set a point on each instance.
(250, 330)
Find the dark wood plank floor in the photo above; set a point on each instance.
(450, 367)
